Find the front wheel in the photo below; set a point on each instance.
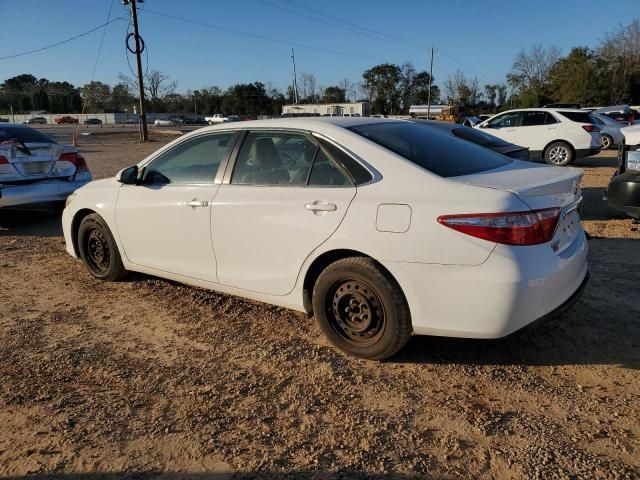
(559, 154)
(361, 309)
(98, 249)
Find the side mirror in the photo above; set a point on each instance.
(128, 176)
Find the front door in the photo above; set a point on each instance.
(286, 196)
(505, 126)
(165, 222)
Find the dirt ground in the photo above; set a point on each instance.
(150, 379)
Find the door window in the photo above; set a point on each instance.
(274, 158)
(325, 173)
(505, 120)
(535, 118)
(194, 161)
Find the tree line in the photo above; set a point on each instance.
(607, 74)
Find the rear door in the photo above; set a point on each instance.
(537, 129)
(284, 197)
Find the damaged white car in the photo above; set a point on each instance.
(35, 169)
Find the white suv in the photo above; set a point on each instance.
(556, 135)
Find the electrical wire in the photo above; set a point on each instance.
(262, 37)
(63, 41)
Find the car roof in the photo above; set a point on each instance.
(13, 125)
(304, 123)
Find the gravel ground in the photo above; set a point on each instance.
(151, 379)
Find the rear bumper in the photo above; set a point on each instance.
(623, 193)
(587, 152)
(42, 191)
(513, 288)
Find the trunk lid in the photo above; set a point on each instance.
(539, 186)
(40, 162)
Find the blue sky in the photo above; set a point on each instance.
(481, 37)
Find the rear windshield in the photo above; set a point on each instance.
(479, 138)
(23, 134)
(580, 117)
(431, 149)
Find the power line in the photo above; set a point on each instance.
(262, 37)
(63, 41)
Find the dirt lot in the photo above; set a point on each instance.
(150, 379)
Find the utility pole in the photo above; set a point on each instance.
(295, 82)
(144, 134)
(430, 81)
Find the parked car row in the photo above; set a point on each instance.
(62, 120)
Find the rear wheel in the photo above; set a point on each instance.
(559, 154)
(98, 249)
(607, 141)
(361, 309)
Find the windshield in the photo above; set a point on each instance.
(23, 134)
(431, 149)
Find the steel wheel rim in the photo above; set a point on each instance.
(606, 143)
(558, 155)
(97, 251)
(355, 312)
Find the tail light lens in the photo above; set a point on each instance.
(3, 160)
(509, 228)
(75, 158)
(590, 128)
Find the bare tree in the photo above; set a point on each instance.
(309, 83)
(531, 69)
(348, 87)
(156, 85)
(620, 51)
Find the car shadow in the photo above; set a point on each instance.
(33, 222)
(611, 160)
(602, 328)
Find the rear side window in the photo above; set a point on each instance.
(431, 149)
(531, 119)
(359, 174)
(580, 117)
(23, 134)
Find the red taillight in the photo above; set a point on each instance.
(510, 228)
(3, 160)
(75, 158)
(630, 119)
(590, 128)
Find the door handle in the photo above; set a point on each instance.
(198, 203)
(319, 206)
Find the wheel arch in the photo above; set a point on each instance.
(75, 226)
(321, 262)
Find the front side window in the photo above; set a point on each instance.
(194, 161)
(505, 120)
(274, 158)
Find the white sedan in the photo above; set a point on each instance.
(381, 228)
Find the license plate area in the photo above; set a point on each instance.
(567, 231)
(35, 168)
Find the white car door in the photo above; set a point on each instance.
(504, 126)
(285, 197)
(538, 128)
(165, 222)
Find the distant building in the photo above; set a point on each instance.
(348, 109)
(421, 110)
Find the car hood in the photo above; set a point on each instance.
(631, 134)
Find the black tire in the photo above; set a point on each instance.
(607, 142)
(98, 249)
(361, 309)
(559, 154)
